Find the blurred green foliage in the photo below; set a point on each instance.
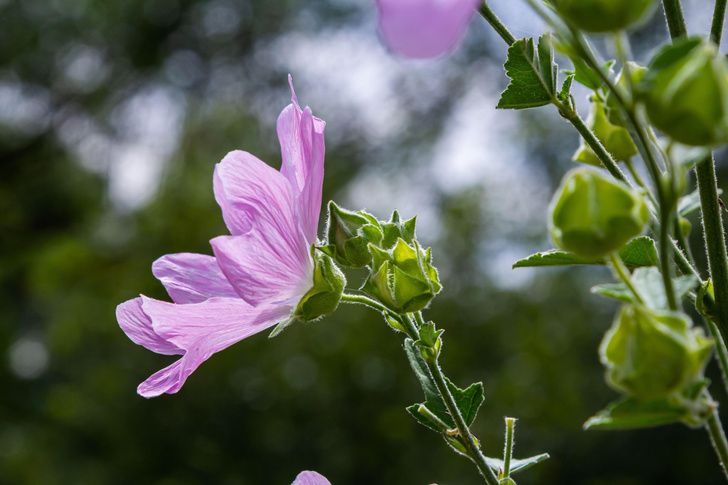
(329, 395)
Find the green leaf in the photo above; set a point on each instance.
(639, 252)
(468, 401)
(691, 203)
(565, 92)
(648, 282)
(533, 74)
(587, 76)
(631, 413)
(516, 465)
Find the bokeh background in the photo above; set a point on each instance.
(112, 116)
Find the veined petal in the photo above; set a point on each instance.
(301, 136)
(192, 278)
(202, 329)
(137, 325)
(253, 195)
(310, 478)
(262, 269)
(424, 28)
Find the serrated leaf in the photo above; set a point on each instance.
(639, 252)
(468, 401)
(631, 413)
(566, 88)
(533, 74)
(516, 465)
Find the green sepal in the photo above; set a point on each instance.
(533, 74)
(685, 92)
(651, 354)
(649, 284)
(402, 278)
(616, 140)
(592, 215)
(396, 229)
(639, 252)
(349, 234)
(429, 342)
(328, 285)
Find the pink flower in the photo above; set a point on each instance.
(258, 274)
(424, 28)
(310, 478)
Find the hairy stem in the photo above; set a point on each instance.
(714, 240)
(718, 439)
(508, 452)
(496, 23)
(716, 29)
(675, 18)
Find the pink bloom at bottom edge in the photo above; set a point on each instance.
(310, 478)
(424, 29)
(258, 274)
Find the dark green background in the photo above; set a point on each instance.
(330, 395)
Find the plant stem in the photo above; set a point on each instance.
(714, 240)
(716, 29)
(473, 449)
(410, 328)
(508, 452)
(496, 23)
(720, 350)
(623, 274)
(675, 18)
(718, 439)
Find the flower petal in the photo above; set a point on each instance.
(301, 136)
(310, 478)
(261, 269)
(202, 329)
(137, 325)
(252, 195)
(424, 28)
(192, 278)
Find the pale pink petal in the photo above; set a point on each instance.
(424, 28)
(301, 136)
(252, 195)
(202, 329)
(264, 269)
(310, 478)
(192, 278)
(138, 327)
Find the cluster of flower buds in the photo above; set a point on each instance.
(603, 15)
(401, 273)
(652, 354)
(593, 216)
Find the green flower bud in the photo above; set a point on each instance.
(603, 15)
(685, 227)
(685, 93)
(615, 139)
(612, 107)
(592, 216)
(402, 278)
(328, 285)
(395, 229)
(650, 354)
(349, 234)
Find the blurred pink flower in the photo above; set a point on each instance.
(424, 28)
(258, 274)
(310, 478)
